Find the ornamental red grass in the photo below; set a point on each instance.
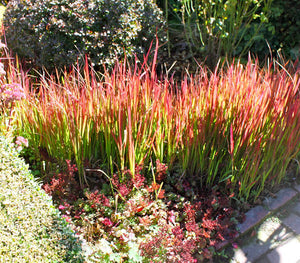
(239, 122)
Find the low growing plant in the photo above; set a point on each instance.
(133, 220)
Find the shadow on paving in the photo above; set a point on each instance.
(258, 246)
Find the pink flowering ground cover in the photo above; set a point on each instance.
(131, 214)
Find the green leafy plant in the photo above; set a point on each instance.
(56, 33)
(135, 223)
(216, 29)
(279, 34)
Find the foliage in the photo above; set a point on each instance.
(2, 10)
(11, 92)
(56, 33)
(4, 2)
(240, 123)
(215, 28)
(281, 31)
(135, 221)
(31, 228)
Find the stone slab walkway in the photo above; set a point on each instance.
(271, 231)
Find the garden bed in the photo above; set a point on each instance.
(150, 160)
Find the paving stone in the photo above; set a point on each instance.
(281, 235)
(283, 196)
(293, 222)
(253, 217)
(297, 187)
(239, 257)
(263, 259)
(288, 252)
(255, 250)
(221, 245)
(296, 208)
(268, 228)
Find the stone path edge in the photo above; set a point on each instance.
(259, 213)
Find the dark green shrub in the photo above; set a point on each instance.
(281, 32)
(55, 33)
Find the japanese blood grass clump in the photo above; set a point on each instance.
(239, 122)
(31, 229)
(111, 123)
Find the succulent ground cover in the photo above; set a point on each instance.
(136, 220)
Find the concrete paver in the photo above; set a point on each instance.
(274, 239)
(253, 217)
(268, 228)
(297, 187)
(296, 209)
(239, 257)
(293, 222)
(254, 251)
(288, 252)
(281, 236)
(283, 196)
(263, 259)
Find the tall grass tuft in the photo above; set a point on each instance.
(239, 123)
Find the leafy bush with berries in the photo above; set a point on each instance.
(55, 33)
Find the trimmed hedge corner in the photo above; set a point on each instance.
(31, 229)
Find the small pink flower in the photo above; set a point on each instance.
(21, 141)
(107, 222)
(172, 218)
(124, 190)
(235, 245)
(67, 218)
(61, 207)
(13, 91)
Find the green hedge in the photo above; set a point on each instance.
(31, 229)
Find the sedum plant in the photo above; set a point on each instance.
(56, 33)
(133, 220)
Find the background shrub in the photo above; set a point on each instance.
(57, 32)
(281, 32)
(31, 229)
(214, 29)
